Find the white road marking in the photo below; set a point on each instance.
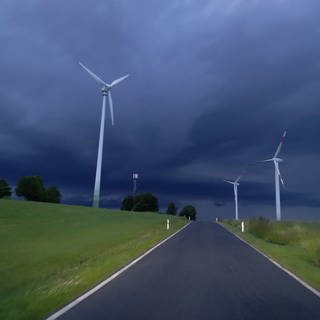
(306, 285)
(103, 283)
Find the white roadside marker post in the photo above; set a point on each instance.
(168, 224)
(242, 226)
(216, 219)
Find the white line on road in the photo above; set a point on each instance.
(103, 283)
(313, 290)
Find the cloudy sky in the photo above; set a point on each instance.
(212, 87)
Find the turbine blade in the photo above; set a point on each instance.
(93, 75)
(282, 182)
(238, 179)
(280, 144)
(111, 107)
(229, 181)
(113, 83)
(268, 160)
(278, 171)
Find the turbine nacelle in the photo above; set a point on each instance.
(235, 183)
(105, 90)
(231, 182)
(273, 159)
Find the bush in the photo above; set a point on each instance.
(141, 206)
(127, 203)
(145, 202)
(172, 209)
(233, 223)
(31, 188)
(259, 227)
(188, 212)
(283, 235)
(5, 189)
(52, 195)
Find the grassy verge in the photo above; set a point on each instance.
(295, 245)
(50, 254)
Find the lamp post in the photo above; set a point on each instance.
(135, 177)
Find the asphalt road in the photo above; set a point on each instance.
(204, 272)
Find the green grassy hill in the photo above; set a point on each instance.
(50, 253)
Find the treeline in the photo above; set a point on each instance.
(148, 202)
(32, 189)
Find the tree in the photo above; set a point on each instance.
(127, 203)
(172, 209)
(5, 189)
(31, 188)
(188, 211)
(145, 202)
(52, 195)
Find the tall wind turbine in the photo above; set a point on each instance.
(106, 91)
(277, 175)
(235, 189)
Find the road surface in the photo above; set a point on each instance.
(203, 272)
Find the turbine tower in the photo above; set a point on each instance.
(277, 175)
(235, 189)
(106, 91)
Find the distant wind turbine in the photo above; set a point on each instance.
(106, 91)
(235, 189)
(277, 175)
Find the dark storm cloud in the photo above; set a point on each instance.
(250, 134)
(213, 85)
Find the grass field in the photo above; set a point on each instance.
(295, 245)
(50, 254)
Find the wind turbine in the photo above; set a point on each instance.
(106, 91)
(235, 189)
(277, 175)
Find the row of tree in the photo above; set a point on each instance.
(141, 202)
(32, 189)
(188, 211)
(148, 202)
